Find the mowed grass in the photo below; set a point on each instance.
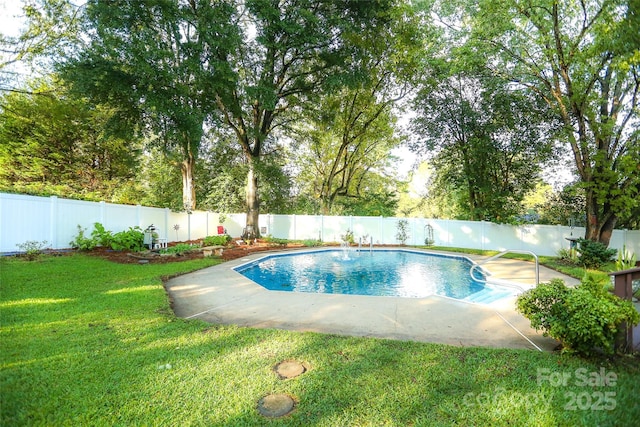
(89, 342)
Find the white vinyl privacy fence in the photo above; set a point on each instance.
(56, 220)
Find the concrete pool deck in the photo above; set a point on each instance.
(220, 295)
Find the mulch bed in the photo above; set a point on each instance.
(232, 251)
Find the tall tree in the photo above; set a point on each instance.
(350, 133)
(345, 147)
(489, 142)
(162, 60)
(583, 59)
(249, 65)
(227, 173)
(300, 48)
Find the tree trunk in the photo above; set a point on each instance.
(599, 232)
(252, 230)
(600, 222)
(607, 230)
(188, 183)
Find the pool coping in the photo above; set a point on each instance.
(221, 295)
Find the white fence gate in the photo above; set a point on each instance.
(56, 220)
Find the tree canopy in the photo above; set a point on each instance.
(583, 59)
(293, 106)
(164, 62)
(490, 141)
(301, 48)
(53, 143)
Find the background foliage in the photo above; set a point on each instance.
(164, 112)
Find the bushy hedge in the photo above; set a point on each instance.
(586, 319)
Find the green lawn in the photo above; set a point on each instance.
(88, 342)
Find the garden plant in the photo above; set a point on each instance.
(586, 319)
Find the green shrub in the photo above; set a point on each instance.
(83, 243)
(278, 241)
(585, 319)
(32, 249)
(348, 237)
(130, 240)
(284, 242)
(221, 240)
(568, 256)
(178, 249)
(102, 236)
(402, 234)
(593, 254)
(544, 304)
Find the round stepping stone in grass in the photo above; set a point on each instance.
(276, 405)
(289, 369)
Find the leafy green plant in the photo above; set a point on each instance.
(131, 240)
(278, 241)
(102, 236)
(179, 249)
(402, 233)
(348, 237)
(284, 242)
(220, 240)
(585, 319)
(32, 249)
(82, 242)
(568, 256)
(593, 254)
(626, 259)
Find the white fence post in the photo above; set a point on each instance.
(294, 226)
(103, 210)
(166, 224)
(53, 221)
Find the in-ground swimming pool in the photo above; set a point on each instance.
(400, 273)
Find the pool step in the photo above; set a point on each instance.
(488, 295)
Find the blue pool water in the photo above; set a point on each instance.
(399, 273)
